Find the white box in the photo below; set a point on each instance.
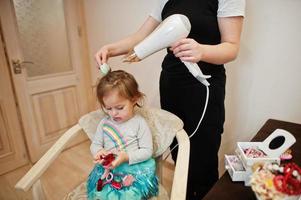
(235, 168)
(269, 147)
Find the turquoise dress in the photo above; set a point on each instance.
(144, 186)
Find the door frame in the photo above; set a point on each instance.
(9, 24)
(13, 149)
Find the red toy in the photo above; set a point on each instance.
(108, 159)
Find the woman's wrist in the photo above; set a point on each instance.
(201, 52)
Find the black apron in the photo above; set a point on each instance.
(184, 95)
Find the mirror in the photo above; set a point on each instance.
(277, 142)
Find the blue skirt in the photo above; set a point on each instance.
(144, 186)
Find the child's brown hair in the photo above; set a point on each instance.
(125, 84)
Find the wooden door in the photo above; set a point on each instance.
(12, 147)
(47, 51)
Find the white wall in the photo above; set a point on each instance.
(263, 82)
(111, 20)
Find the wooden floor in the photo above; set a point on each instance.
(68, 171)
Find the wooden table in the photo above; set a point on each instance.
(226, 189)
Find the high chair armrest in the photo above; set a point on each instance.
(181, 170)
(26, 182)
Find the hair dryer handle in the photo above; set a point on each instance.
(195, 70)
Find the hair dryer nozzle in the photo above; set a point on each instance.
(173, 28)
(131, 57)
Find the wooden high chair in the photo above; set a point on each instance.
(164, 126)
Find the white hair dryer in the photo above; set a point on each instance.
(172, 29)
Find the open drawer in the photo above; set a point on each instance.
(235, 168)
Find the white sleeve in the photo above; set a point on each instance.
(156, 12)
(145, 144)
(230, 8)
(97, 142)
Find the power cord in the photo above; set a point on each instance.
(197, 127)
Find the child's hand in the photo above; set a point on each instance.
(98, 158)
(122, 157)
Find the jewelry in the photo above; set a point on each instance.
(254, 152)
(289, 182)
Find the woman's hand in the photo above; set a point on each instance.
(102, 55)
(122, 157)
(125, 45)
(188, 50)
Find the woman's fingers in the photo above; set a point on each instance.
(179, 43)
(189, 59)
(97, 57)
(187, 50)
(101, 56)
(183, 53)
(181, 48)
